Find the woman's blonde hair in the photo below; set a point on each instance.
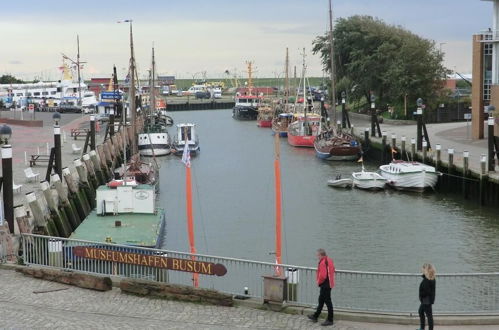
(429, 271)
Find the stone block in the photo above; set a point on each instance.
(86, 281)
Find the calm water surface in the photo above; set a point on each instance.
(233, 191)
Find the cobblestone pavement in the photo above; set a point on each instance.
(26, 304)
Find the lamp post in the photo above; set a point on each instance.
(343, 110)
(419, 115)
(8, 194)
(57, 143)
(373, 115)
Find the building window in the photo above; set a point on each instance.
(36, 93)
(487, 70)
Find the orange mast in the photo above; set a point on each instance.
(278, 197)
(186, 159)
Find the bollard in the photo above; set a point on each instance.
(425, 148)
(419, 114)
(92, 132)
(394, 141)
(413, 148)
(438, 148)
(57, 147)
(338, 125)
(483, 164)
(402, 148)
(466, 156)
(490, 131)
(246, 291)
(450, 152)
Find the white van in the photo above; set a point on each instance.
(196, 88)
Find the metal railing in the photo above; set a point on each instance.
(354, 290)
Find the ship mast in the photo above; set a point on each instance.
(78, 66)
(250, 77)
(305, 104)
(152, 91)
(286, 91)
(132, 91)
(331, 58)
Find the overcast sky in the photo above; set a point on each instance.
(201, 35)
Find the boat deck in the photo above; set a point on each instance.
(136, 228)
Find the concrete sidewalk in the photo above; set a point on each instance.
(27, 303)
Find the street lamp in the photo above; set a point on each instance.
(5, 133)
(419, 115)
(56, 117)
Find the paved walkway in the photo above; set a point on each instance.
(24, 305)
(27, 141)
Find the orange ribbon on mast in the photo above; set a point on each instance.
(278, 212)
(186, 159)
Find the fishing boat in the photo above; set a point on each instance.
(154, 141)
(340, 182)
(368, 180)
(330, 145)
(186, 133)
(303, 131)
(265, 115)
(247, 104)
(407, 175)
(280, 124)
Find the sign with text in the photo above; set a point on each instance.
(110, 95)
(467, 116)
(151, 260)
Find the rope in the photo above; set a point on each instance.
(460, 177)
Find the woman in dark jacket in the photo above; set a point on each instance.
(427, 296)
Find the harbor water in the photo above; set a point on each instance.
(388, 231)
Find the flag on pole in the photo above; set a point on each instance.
(186, 155)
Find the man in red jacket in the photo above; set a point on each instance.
(325, 280)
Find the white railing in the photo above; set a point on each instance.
(354, 290)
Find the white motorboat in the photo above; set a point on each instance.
(405, 175)
(368, 180)
(186, 132)
(338, 182)
(154, 143)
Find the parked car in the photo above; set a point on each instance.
(202, 95)
(68, 107)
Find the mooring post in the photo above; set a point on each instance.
(490, 133)
(92, 132)
(466, 156)
(413, 149)
(366, 135)
(450, 152)
(111, 122)
(425, 147)
(7, 185)
(402, 148)
(373, 115)
(483, 177)
(438, 147)
(57, 145)
(384, 147)
(338, 125)
(394, 141)
(62, 227)
(38, 215)
(419, 116)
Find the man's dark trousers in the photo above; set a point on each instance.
(325, 298)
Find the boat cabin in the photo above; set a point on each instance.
(186, 132)
(248, 100)
(125, 196)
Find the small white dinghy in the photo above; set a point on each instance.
(368, 180)
(338, 182)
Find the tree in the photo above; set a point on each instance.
(388, 60)
(9, 79)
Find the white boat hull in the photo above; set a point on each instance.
(154, 144)
(418, 181)
(368, 181)
(340, 183)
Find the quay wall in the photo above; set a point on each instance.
(456, 176)
(57, 206)
(212, 105)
